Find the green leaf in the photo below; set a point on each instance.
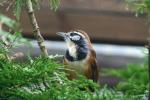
(18, 6)
(54, 4)
(7, 21)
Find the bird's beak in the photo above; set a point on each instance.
(62, 34)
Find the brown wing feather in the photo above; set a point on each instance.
(94, 68)
(94, 71)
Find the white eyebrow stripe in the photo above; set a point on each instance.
(76, 37)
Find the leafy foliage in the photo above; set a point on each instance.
(26, 81)
(54, 4)
(10, 39)
(18, 5)
(140, 6)
(135, 80)
(44, 79)
(7, 21)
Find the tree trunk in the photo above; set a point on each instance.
(36, 29)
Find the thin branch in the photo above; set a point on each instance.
(36, 29)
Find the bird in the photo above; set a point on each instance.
(80, 56)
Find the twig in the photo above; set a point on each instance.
(36, 29)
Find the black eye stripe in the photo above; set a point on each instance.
(73, 34)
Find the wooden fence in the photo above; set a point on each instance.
(105, 21)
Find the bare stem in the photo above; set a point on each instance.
(36, 29)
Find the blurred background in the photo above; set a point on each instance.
(118, 36)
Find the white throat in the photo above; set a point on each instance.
(72, 48)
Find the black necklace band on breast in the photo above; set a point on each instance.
(81, 54)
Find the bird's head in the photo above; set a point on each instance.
(78, 44)
(76, 37)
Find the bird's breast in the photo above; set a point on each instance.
(79, 66)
